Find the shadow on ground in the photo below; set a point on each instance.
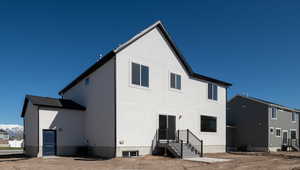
(88, 159)
(13, 157)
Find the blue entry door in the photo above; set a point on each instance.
(49, 142)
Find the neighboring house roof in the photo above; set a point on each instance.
(50, 102)
(268, 103)
(112, 53)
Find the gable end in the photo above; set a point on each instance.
(167, 37)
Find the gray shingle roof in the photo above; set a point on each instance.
(51, 102)
(269, 103)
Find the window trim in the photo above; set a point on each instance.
(212, 94)
(129, 153)
(276, 112)
(208, 131)
(291, 133)
(170, 76)
(294, 121)
(140, 74)
(279, 134)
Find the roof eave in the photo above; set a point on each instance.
(162, 29)
(268, 104)
(90, 70)
(25, 103)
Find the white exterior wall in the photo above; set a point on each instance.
(99, 99)
(31, 130)
(69, 129)
(138, 108)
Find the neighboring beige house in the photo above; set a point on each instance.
(138, 99)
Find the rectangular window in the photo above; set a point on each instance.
(208, 124)
(172, 80)
(130, 153)
(212, 91)
(175, 81)
(87, 81)
(278, 132)
(145, 76)
(135, 74)
(294, 117)
(274, 113)
(293, 134)
(139, 75)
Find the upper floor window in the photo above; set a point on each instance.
(294, 119)
(139, 75)
(87, 81)
(274, 113)
(208, 124)
(212, 91)
(175, 81)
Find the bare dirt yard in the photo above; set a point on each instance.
(240, 161)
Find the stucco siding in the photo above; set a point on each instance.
(69, 129)
(31, 130)
(98, 96)
(138, 108)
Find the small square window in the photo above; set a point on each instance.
(135, 153)
(130, 153)
(125, 154)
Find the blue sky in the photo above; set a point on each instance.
(252, 44)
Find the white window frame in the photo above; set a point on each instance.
(130, 153)
(294, 121)
(291, 133)
(270, 130)
(276, 132)
(217, 120)
(207, 92)
(287, 136)
(176, 74)
(276, 112)
(130, 76)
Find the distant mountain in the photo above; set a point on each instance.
(14, 131)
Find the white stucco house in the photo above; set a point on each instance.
(138, 96)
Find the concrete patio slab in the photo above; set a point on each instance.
(206, 159)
